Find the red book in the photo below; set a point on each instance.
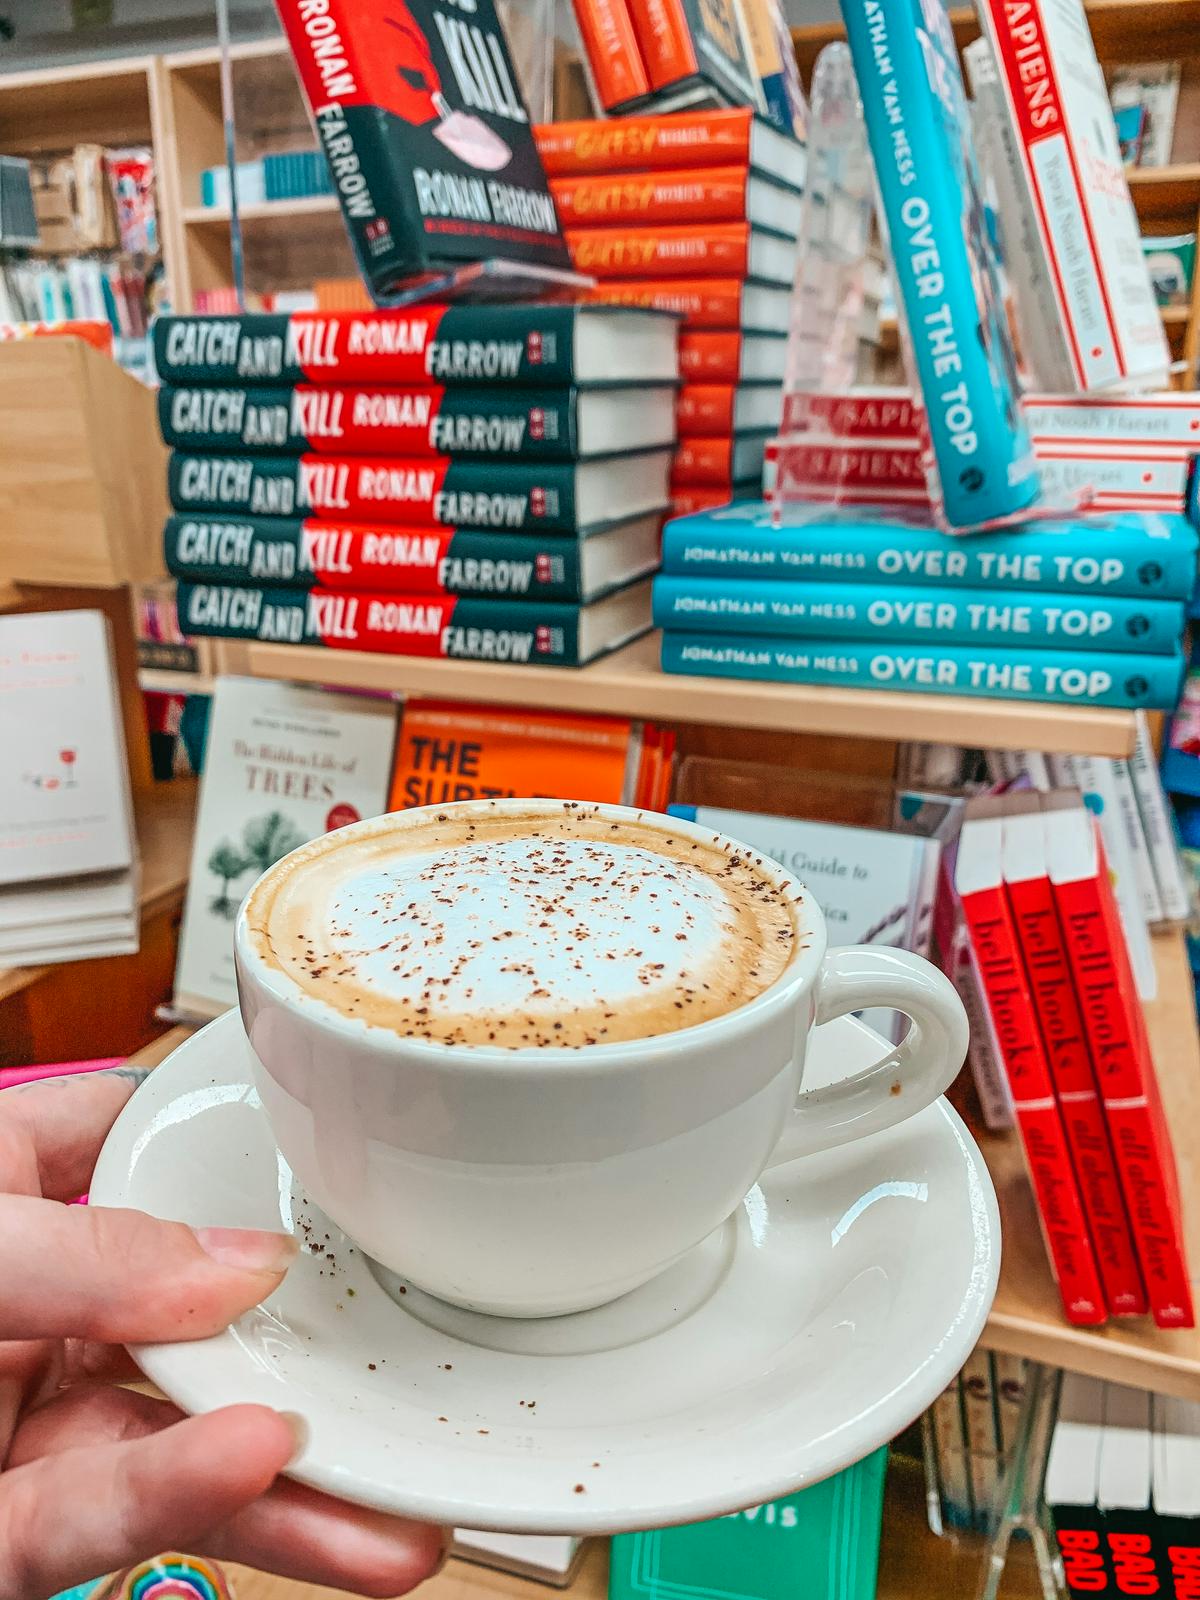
(701, 194)
(979, 879)
(708, 409)
(720, 303)
(686, 502)
(612, 50)
(1120, 1050)
(703, 250)
(731, 358)
(734, 137)
(666, 41)
(717, 462)
(1039, 932)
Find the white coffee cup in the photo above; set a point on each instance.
(535, 1182)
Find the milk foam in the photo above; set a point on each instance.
(529, 932)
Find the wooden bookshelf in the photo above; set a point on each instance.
(1027, 1319)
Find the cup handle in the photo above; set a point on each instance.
(910, 1077)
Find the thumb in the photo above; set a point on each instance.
(123, 1277)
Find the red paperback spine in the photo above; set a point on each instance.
(993, 938)
(666, 42)
(607, 32)
(1120, 1049)
(1041, 941)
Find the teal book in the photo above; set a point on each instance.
(1128, 553)
(1149, 682)
(348, 420)
(819, 1544)
(1073, 624)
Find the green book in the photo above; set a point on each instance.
(820, 1544)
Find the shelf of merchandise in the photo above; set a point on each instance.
(630, 683)
(1026, 1319)
(315, 205)
(164, 828)
(163, 680)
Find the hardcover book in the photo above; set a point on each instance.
(1073, 1485)
(914, 108)
(611, 47)
(712, 409)
(524, 632)
(283, 765)
(701, 195)
(731, 358)
(1008, 674)
(542, 497)
(530, 424)
(696, 53)
(662, 143)
(979, 879)
(726, 304)
(526, 346)
(830, 610)
(718, 461)
(703, 250)
(305, 554)
(1152, 557)
(420, 115)
(1120, 1049)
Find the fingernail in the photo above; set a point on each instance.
(300, 1433)
(248, 1249)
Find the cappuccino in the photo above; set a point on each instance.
(525, 931)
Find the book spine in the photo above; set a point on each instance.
(634, 144)
(718, 250)
(666, 41)
(352, 421)
(1129, 1091)
(997, 951)
(1080, 1533)
(710, 357)
(1096, 777)
(705, 409)
(961, 616)
(433, 493)
(1040, 940)
(1139, 849)
(1126, 681)
(929, 191)
(1133, 562)
(701, 303)
(410, 625)
(708, 194)
(1160, 835)
(606, 28)
(702, 462)
(1177, 1544)
(305, 554)
(439, 344)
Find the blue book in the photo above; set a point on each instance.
(1151, 682)
(1151, 556)
(915, 111)
(939, 616)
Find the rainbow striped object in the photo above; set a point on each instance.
(169, 1577)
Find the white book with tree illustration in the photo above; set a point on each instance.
(282, 765)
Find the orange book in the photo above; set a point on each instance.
(665, 40)
(734, 137)
(686, 502)
(716, 250)
(449, 751)
(718, 463)
(725, 303)
(708, 409)
(612, 51)
(704, 194)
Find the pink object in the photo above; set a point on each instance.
(10, 1077)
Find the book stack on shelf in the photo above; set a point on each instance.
(1033, 614)
(695, 213)
(1123, 1488)
(479, 482)
(973, 1429)
(1033, 882)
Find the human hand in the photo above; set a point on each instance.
(95, 1477)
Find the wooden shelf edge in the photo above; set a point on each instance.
(629, 683)
(315, 205)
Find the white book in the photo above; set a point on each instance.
(1175, 1456)
(65, 805)
(1135, 835)
(1123, 1479)
(283, 764)
(24, 948)
(873, 887)
(1073, 1464)
(68, 901)
(548, 1557)
(1157, 826)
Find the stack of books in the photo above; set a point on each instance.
(484, 482)
(1034, 886)
(1087, 613)
(68, 851)
(1123, 1488)
(697, 214)
(973, 1428)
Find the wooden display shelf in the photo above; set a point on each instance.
(314, 205)
(1172, 191)
(1027, 1319)
(630, 683)
(164, 825)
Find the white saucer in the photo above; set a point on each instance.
(818, 1322)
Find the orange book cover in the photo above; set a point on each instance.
(705, 408)
(640, 144)
(612, 50)
(721, 250)
(701, 302)
(702, 462)
(703, 194)
(665, 40)
(449, 751)
(686, 502)
(710, 357)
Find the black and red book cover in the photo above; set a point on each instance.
(420, 114)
